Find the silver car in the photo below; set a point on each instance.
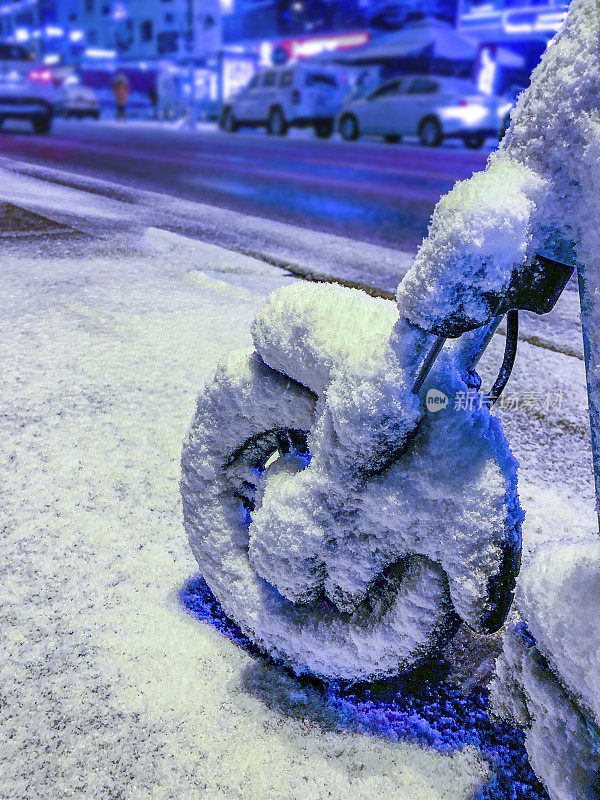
(299, 95)
(432, 108)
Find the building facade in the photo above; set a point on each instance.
(64, 31)
(151, 29)
(522, 26)
(247, 20)
(41, 25)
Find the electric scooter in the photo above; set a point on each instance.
(347, 504)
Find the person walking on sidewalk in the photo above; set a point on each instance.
(120, 86)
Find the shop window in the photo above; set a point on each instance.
(146, 31)
(167, 42)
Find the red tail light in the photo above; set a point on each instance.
(296, 97)
(463, 103)
(40, 75)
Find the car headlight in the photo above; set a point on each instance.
(468, 113)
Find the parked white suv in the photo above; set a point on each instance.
(432, 108)
(298, 95)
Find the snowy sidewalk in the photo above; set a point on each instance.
(108, 688)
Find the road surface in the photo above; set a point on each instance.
(367, 190)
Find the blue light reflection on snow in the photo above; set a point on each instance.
(431, 713)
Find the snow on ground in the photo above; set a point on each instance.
(46, 197)
(108, 688)
(308, 252)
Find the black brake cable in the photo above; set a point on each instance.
(510, 351)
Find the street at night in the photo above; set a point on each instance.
(366, 190)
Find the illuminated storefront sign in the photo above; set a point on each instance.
(532, 21)
(516, 21)
(308, 46)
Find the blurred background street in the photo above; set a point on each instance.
(375, 192)
(349, 117)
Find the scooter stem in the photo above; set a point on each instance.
(467, 351)
(416, 350)
(471, 346)
(431, 352)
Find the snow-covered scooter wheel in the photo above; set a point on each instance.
(246, 412)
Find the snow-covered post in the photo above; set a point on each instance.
(589, 289)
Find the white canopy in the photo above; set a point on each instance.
(446, 42)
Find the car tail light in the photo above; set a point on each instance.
(296, 97)
(463, 103)
(40, 75)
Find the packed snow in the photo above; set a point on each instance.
(547, 675)
(337, 342)
(563, 743)
(480, 232)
